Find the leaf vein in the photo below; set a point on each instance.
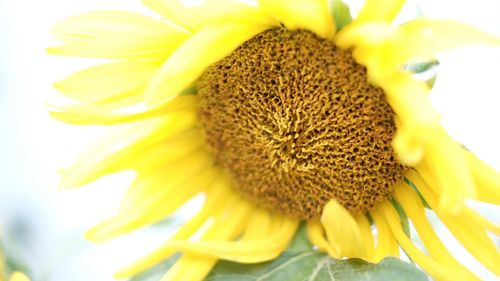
(285, 264)
(318, 268)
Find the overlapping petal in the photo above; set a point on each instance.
(106, 83)
(313, 15)
(117, 35)
(187, 63)
(194, 17)
(379, 11)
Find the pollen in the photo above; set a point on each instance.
(294, 121)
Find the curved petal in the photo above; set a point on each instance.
(368, 34)
(85, 114)
(120, 149)
(445, 166)
(379, 11)
(250, 251)
(228, 224)
(259, 225)
(189, 61)
(117, 35)
(212, 205)
(18, 276)
(440, 272)
(487, 180)
(417, 120)
(421, 39)
(317, 236)
(386, 49)
(313, 15)
(163, 156)
(108, 82)
(342, 231)
(180, 187)
(367, 236)
(193, 17)
(414, 208)
(387, 244)
(469, 232)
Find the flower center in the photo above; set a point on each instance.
(295, 122)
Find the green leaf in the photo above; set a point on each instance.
(316, 266)
(341, 14)
(300, 241)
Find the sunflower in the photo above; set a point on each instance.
(276, 112)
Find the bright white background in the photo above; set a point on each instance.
(33, 146)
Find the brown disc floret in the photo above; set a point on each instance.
(294, 121)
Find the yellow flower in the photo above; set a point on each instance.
(275, 116)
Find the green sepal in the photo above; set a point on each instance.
(191, 91)
(414, 186)
(421, 67)
(341, 13)
(425, 68)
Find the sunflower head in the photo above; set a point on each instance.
(277, 111)
(295, 121)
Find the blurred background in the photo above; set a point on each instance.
(42, 230)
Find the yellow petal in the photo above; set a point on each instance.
(259, 225)
(313, 15)
(367, 34)
(91, 110)
(468, 231)
(317, 236)
(447, 168)
(414, 208)
(438, 271)
(220, 189)
(421, 39)
(86, 114)
(408, 145)
(18, 276)
(470, 214)
(342, 231)
(384, 49)
(417, 120)
(379, 10)
(178, 188)
(251, 251)
(108, 82)
(487, 180)
(124, 149)
(189, 61)
(148, 183)
(194, 16)
(116, 34)
(386, 242)
(367, 236)
(227, 226)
